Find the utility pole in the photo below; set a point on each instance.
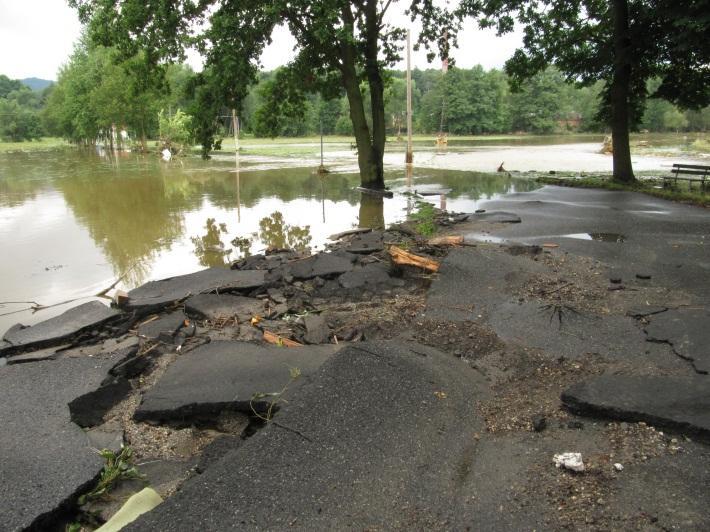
(235, 126)
(409, 157)
(442, 141)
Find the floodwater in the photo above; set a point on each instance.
(72, 222)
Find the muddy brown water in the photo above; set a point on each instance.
(72, 222)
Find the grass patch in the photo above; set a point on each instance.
(646, 186)
(43, 144)
(424, 219)
(701, 145)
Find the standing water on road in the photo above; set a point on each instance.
(72, 222)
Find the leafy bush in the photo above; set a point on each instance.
(175, 131)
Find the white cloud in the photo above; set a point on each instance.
(36, 37)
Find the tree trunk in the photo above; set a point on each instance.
(377, 88)
(619, 93)
(368, 158)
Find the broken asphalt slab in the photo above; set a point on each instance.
(164, 328)
(365, 243)
(500, 217)
(562, 332)
(45, 459)
(317, 330)
(369, 277)
(687, 331)
(216, 306)
(54, 330)
(678, 403)
(482, 284)
(225, 374)
(48, 353)
(388, 419)
(473, 282)
(158, 294)
(321, 265)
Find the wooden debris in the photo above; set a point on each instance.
(275, 339)
(376, 192)
(120, 297)
(550, 245)
(338, 236)
(451, 240)
(402, 257)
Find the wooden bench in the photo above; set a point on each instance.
(695, 172)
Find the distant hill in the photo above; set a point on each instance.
(37, 84)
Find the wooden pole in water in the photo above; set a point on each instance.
(235, 126)
(409, 156)
(321, 169)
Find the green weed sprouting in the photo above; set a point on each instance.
(118, 467)
(295, 374)
(424, 219)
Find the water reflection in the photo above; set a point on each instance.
(131, 222)
(144, 219)
(210, 249)
(243, 244)
(275, 233)
(372, 212)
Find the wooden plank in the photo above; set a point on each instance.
(695, 166)
(275, 339)
(402, 257)
(691, 172)
(451, 240)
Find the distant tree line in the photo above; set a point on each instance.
(471, 101)
(20, 110)
(98, 88)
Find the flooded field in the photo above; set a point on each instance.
(73, 222)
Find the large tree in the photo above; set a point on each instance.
(622, 42)
(339, 44)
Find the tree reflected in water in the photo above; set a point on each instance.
(372, 212)
(243, 244)
(210, 249)
(275, 233)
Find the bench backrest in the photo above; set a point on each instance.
(691, 169)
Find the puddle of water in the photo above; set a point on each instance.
(72, 222)
(484, 237)
(599, 237)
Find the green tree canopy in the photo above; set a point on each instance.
(622, 42)
(98, 88)
(339, 44)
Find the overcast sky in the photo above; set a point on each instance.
(37, 37)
